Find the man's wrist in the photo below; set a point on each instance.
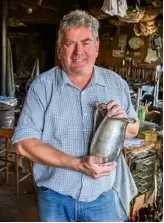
(76, 164)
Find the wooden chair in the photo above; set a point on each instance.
(6, 134)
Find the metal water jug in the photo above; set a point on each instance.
(109, 137)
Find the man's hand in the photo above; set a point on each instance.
(115, 111)
(112, 110)
(96, 167)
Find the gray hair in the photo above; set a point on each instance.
(77, 19)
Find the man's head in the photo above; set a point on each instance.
(78, 42)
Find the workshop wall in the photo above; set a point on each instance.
(110, 51)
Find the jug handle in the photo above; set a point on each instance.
(102, 105)
(130, 120)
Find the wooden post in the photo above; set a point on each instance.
(3, 46)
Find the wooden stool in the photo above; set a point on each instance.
(7, 133)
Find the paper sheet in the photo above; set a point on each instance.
(133, 142)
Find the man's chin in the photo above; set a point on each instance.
(80, 70)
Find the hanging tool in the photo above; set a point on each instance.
(156, 44)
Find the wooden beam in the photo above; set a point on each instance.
(37, 19)
(36, 15)
(29, 4)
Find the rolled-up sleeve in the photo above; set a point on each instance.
(31, 120)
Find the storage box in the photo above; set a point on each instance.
(148, 136)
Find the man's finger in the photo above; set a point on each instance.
(106, 170)
(98, 160)
(120, 114)
(114, 110)
(107, 167)
(110, 164)
(110, 104)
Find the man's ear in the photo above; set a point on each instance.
(58, 51)
(97, 46)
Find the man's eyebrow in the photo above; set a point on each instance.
(87, 39)
(69, 40)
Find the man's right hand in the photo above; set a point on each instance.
(40, 152)
(96, 167)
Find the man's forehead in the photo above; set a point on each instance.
(74, 34)
(78, 31)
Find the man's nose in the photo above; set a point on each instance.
(78, 48)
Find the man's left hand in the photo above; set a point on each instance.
(113, 110)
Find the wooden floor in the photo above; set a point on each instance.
(23, 210)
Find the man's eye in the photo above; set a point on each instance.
(69, 44)
(86, 43)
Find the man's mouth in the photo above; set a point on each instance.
(78, 60)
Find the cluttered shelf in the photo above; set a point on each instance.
(135, 72)
(143, 156)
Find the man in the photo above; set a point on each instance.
(55, 131)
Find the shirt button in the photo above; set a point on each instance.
(85, 114)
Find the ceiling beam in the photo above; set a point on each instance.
(29, 4)
(35, 19)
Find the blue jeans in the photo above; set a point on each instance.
(55, 207)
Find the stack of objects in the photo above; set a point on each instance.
(143, 166)
(147, 25)
(144, 20)
(151, 210)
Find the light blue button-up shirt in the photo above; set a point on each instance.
(61, 114)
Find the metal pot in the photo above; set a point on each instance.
(109, 137)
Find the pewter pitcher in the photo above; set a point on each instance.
(109, 137)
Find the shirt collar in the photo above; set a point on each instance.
(97, 78)
(66, 79)
(63, 79)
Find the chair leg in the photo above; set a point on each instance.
(7, 160)
(32, 176)
(17, 174)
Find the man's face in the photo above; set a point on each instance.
(78, 51)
